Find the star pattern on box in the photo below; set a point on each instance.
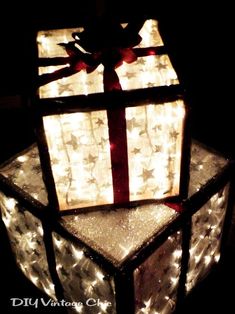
(85, 279)
(25, 234)
(131, 124)
(64, 88)
(147, 174)
(90, 159)
(161, 66)
(73, 141)
(99, 122)
(207, 225)
(131, 76)
(136, 150)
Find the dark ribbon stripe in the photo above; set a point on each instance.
(111, 58)
(118, 141)
(178, 207)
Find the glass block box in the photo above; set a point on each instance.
(117, 261)
(105, 114)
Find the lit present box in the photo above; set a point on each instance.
(111, 116)
(141, 260)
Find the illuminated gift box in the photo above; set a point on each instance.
(111, 116)
(141, 260)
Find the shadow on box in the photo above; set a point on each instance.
(194, 59)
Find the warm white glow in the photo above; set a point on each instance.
(58, 242)
(80, 158)
(147, 308)
(80, 154)
(25, 235)
(206, 237)
(157, 278)
(82, 278)
(150, 35)
(78, 307)
(34, 279)
(10, 203)
(177, 253)
(78, 254)
(174, 280)
(58, 267)
(99, 275)
(49, 288)
(207, 259)
(79, 144)
(154, 134)
(104, 306)
(125, 249)
(217, 257)
(40, 230)
(48, 41)
(22, 158)
(145, 72)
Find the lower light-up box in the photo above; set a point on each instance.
(138, 260)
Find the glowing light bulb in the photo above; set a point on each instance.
(78, 307)
(197, 258)
(58, 267)
(40, 231)
(174, 280)
(22, 158)
(104, 306)
(207, 259)
(147, 308)
(78, 254)
(49, 289)
(10, 203)
(58, 242)
(99, 275)
(177, 253)
(7, 220)
(217, 257)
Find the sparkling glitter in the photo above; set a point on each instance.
(158, 277)
(81, 277)
(205, 241)
(27, 243)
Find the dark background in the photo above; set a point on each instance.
(200, 42)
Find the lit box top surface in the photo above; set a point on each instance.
(125, 229)
(65, 80)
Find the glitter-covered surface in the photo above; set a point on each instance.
(127, 229)
(156, 280)
(80, 149)
(82, 279)
(207, 226)
(26, 238)
(204, 165)
(139, 74)
(25, 172)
